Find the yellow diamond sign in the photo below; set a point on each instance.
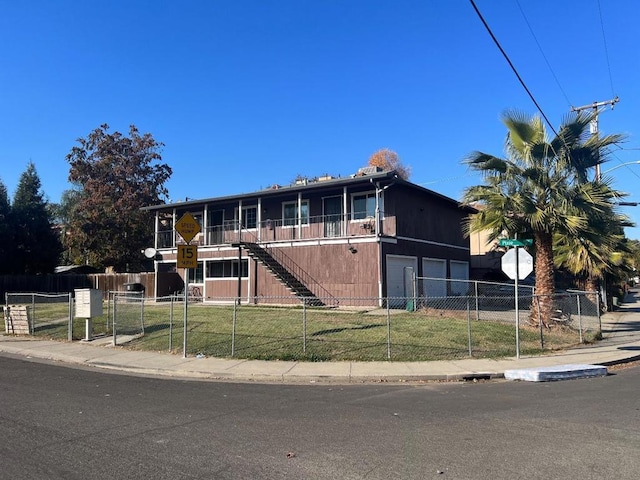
(188, 227)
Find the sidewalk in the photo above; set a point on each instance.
(621, 332)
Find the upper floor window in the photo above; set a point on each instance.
(290, 213)
(249, 217)
(196, 214)
(363, 205)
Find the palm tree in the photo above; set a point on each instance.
(540, 189)
(598, 248)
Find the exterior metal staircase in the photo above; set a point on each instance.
(291, 275)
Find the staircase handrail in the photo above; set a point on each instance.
(288, 263)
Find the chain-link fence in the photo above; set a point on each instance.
(125, 314)
(47, 314)
(420, 327)
(399, 328)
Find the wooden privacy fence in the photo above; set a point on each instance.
(106, 282)
(58, 283)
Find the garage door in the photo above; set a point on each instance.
(459, 271)
(435, 283)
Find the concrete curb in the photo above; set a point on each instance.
(171, 366)
(621, 345)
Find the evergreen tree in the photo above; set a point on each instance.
(6, 232)
(63, 213)
(37, 244)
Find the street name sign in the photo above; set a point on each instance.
(188, 227)
(513, 242)
(520, 258)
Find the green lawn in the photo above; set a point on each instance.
(288, 333)
(314, 334)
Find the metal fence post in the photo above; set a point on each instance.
(469, 327)
(579, 318)
(113, 323)
(388, 331)
(70, 333)
(32, 324)
(304, 325)
(415, 291)
(477, 300)
(142, 311)
(598, 310)
(171, 323)
(108, 308)
(537, 297)
(233, 327)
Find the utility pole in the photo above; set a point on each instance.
(593, 127)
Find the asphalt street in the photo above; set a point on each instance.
(78, 423)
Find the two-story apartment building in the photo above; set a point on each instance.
(331, 239)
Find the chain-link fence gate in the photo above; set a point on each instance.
(125, 314)
(46, 314)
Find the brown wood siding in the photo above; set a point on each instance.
(225, 288)
(426, 217)
(417, 249)
(342, 273)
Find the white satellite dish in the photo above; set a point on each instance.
(150, 252)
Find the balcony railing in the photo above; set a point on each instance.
(269, 230)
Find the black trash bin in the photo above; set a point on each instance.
(133, 287)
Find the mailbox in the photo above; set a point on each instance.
(88, 304)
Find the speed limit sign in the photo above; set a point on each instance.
(187, 256)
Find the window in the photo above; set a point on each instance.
(290, 213)
(226, 269)
(363, 205)
(197, 215)
(249, 217)
(195, 274)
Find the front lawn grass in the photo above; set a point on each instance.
(315, 334)
(289, 333)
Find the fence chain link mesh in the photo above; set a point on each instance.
(478, 321)
(365, 329)
(127, 314)
(50, 315)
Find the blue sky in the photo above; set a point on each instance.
(245, 94)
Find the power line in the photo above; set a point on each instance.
(623, 163)
(504, 54)
(448, 179)
(542, 52)
(606, 50)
